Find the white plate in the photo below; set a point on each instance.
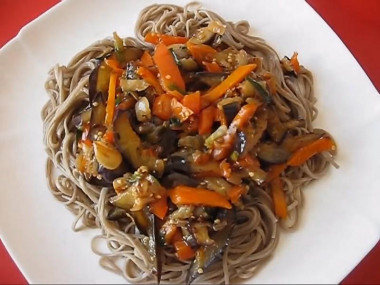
(340, 219)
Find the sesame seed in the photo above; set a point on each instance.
(168, 76)
(200, 270)
(251, 174)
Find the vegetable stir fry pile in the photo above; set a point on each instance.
(182, 132)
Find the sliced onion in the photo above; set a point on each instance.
(128, 85)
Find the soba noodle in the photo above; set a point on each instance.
(256, 230)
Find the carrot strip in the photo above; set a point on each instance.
(175, 94)
(193, 101)
(206, 119)
(127, 104)
(114, 64)
(304, 153)
(180, 111)
(235, 193)
(222, 150)
(171, 77)
(225, 169)
(294, 62)
(109, 136)
(200, 52)
(177, 236)
(146, 59)
(243, 116)
(170, 232)
(149, 77)
(155, 39)
(162, 107)
(301, 155)
(159, 207)
(233, 79)
(275, 171)
(110, 108)
(184, 195)
(279, 200)
(212, 67)
(183, 251)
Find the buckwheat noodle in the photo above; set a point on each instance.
(256, 230)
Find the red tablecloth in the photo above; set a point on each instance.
(357, 23)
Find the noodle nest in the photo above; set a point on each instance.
(256, 230)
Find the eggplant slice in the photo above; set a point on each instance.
(212, 252)
(147, 224)
(130, 145)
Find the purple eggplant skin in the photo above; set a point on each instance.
(168, 143)
(240, 142)
(177, 164)
(188, 236)
(174, 179)
(203, 80)
(108, 176)
(131, 146)
(95, 88)
(230, 111)
(116, 213)
(147, 224)
(212, 252)
(79, 119)
(92, 84)
(155, 249)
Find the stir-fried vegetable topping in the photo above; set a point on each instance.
(182, 133)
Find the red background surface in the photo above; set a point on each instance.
(356, 22)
